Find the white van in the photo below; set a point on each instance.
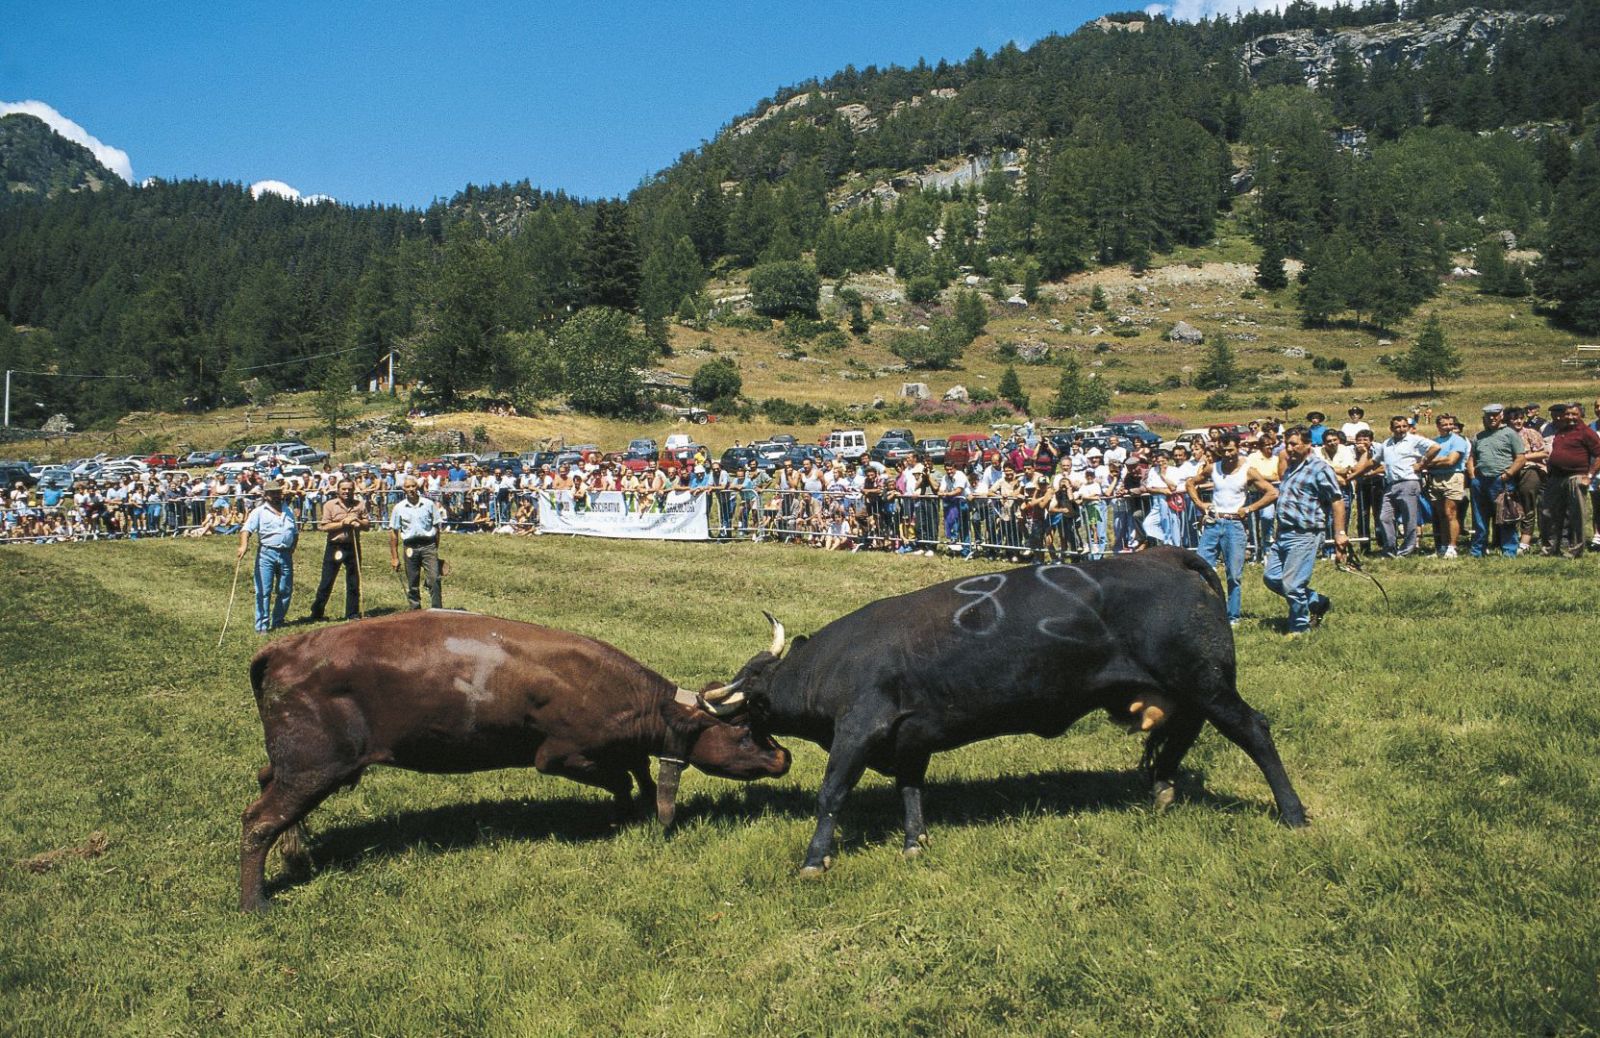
(849, 444)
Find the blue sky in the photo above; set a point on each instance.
(404, 102)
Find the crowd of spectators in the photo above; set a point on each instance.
(1518, 484)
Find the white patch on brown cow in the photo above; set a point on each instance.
(486, 659)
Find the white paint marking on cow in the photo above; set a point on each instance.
(1096, 600)
(486, 659)
(980, 595)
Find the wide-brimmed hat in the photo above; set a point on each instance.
(270, 485)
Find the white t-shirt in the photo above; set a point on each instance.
(1351, 428)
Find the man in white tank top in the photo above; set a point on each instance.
(1223, 536)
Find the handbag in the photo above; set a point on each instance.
(1507, 509)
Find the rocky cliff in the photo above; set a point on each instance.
(1313, 51)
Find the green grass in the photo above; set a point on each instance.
(1448, 752)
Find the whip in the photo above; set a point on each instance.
(237, 561)
(1348, 562)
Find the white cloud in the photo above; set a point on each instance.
(114, 159)
(1194, 10)
(282, 190)
(274, 187)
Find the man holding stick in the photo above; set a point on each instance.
(276, 534)
(417, 522)
(343, 519)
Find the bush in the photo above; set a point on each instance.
(1125, 331)
(831, 341)
(783, 412)
(784, 288)
(804, 329)
(922, 289)
(716, 380)
(982, 395)
(745, 320)
(1329, 363)
(1220, 401)
(937, 348)
(1139, 386)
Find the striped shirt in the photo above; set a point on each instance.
(1305, 494)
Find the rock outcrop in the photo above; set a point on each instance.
(1314, 51)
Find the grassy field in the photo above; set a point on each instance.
(1448, 751)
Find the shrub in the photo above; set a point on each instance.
(923, 288)
(745, 320)
(782, 412)
(716, 380)
(1140, 386)
(783, 288)
(1220, 401)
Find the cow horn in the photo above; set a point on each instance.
(777, 634)
(717, 695)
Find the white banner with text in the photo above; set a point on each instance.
(680, 517)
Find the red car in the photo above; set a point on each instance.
(162, 461)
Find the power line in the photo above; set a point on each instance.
(314, 356)
(63, 374)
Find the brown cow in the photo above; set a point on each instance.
(456, 692)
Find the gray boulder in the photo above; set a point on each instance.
(915, 390)
(958, 394)
(1187, 334)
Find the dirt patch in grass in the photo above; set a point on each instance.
(95, 845)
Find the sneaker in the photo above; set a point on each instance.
(1594, 542)
(1449, 553)
(1319, 609)
(928, 553)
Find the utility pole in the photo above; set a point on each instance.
(8, 399)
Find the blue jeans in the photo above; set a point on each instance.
(1224, 539)
(274, 571)
(1484, 490)
(1288, 572)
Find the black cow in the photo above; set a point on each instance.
(1144, 637)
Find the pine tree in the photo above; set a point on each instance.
(611, 258)
(1270, 274)
(1430, 358)
(1076, 396)
(335, 403)
(1570, 273)
(1492, 268)
(1010, 389)
(1219, 371)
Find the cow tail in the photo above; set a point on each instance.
(1195, 563)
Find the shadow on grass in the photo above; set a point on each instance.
(874, 812)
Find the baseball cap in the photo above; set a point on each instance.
(1493, 408)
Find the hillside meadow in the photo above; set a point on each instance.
(1447, 748)
(1509, 352)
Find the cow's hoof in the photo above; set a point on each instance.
(816, 871)
(914, 849)
(1162, 795)
(1295, 821)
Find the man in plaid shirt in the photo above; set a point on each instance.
(1308, 493)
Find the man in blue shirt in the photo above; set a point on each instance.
(273, 523)
(417, 522)
(1447, 484)
(1402, 457)
(1308, 493)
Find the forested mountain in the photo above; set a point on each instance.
(1367, 144)
(35, 160)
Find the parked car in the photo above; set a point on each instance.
(533, 461)
(932, 448)
(891, 450)
(14, 472)
(770, 454)
(57, 477)
(1186, 437)
(201, 459)
(1136, 433)
(818, 455)
(642, 445)
(961, 448)
(161, 461)
(231, 470)
(849, 444)
(503, 463)
(302, 454)
(734, 459)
